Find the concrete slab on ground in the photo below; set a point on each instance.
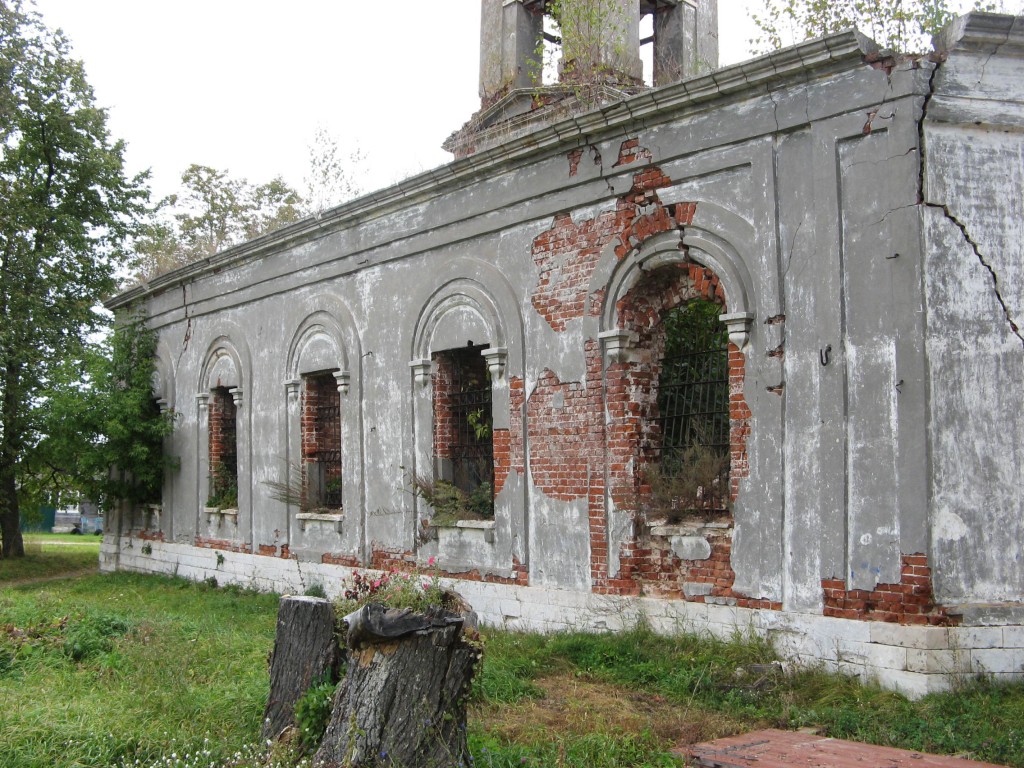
(785, 749)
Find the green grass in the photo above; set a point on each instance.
(89, 539)
(119, 667)
(111, 669)
(48, 556)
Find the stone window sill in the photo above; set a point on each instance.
(486, 527)
(225, 512)
(330, 518)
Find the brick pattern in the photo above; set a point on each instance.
(630, 151)
(574, 454)
(335, 558)
(633, 437)
(520, 577)
(319, 389)
(385, 559)
(509, 451)
(445, 429)
(660, 573)
(574, 161)
(150, 535)
(911, 601)
(567, 253)
(272, 550)
(632, 386)
(222, 434)
(205, 542)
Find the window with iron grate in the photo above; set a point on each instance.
(223, 449)
(321, 440)
(693, 404)
(463, 439)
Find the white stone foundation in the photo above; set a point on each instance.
(915, 660)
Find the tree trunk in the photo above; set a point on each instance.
(10, 514)
(305, 652)
(403, 700)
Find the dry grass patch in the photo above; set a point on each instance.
(574, 704)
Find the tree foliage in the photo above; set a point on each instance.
(103, 430)
(903, 25)
(212, 212)
(66, 208)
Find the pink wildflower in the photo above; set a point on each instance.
(431, 560)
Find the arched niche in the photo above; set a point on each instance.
(457, 313)
(322, 364)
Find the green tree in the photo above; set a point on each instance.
(903, 25)
(66, 208)
(103, 431)
(212, 212)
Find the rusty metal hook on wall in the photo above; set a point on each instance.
(825, 355)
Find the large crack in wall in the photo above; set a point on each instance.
(944, 208)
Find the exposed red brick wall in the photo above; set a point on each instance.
(630, 151)
(658, 572)
(445, 429)
(520, 575)
(586, 434)
(332, 558)
(222, 431)
(911, 601)
(574, 161)
(568, 252)
(319, 390)
(313, 388)
(509, 451)
(227, 546)
(384, 559)
(151, 535)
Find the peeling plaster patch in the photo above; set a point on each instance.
(574, 161)
(949, 526)
(630, 151)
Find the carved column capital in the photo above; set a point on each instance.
(739, 325)
(496, 358)
(616, 344)
(421, 371)
(342, 378)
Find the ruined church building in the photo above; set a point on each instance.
(738, 350)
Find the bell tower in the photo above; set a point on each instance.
(600, 46)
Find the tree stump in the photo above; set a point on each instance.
(403, 699)
(305, 651)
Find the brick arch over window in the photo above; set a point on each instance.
(631, 295)
(456, 311)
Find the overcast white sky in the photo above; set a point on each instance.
(243, 85)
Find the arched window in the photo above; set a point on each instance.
(693, 408)
(223, 432)
(463, 425)
(321, 439)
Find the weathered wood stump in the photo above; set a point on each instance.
(403, 699)
(305, 651)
